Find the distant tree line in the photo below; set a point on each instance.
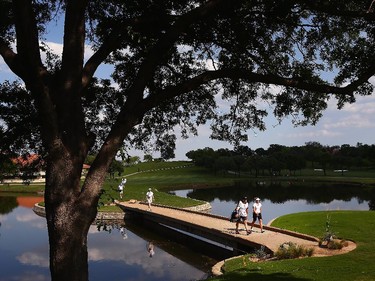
(278, 158)
(28, 166)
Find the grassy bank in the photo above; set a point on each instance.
(164, 176)
(358, 226)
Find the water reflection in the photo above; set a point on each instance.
(282, 192)
(23, 244)
(118, 254)
(150, 249)
(122, 252)
(123, 233)
(285, 198)
(116, 258)
(7, 204)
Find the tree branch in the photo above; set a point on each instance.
(366, 13)
(155, 56)
(98, 57)
(74, 44)
(150, 26)
(10, 57)
(135, 107)
(194, 83)
(28, 52)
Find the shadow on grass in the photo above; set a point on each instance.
(246, 275)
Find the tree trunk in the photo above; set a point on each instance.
(69, 211)
(68, 245)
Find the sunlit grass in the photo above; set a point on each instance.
(358, 226)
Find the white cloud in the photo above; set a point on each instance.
(351, 121)
(32, 220)
(34, 258)
(56, 48)
(312, 134)
(364, 105)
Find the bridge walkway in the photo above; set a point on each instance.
(218, 228)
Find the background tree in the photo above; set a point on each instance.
(174, 62)
(312, 151)
(203, 157)
(7, 167)
(148, 157)
(133, 160)
(224, 164)
(116, 167)
(239, 161)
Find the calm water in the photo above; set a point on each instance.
(121, 253)
(280, 199)
(272, 210)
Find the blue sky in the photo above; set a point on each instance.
(353, 124)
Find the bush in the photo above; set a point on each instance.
(290, 250)
(334, 245)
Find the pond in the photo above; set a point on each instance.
(285, 198)
(121, 252)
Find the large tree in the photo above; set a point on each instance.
(174, 64)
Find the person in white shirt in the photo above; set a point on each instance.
(257, 214)
(149, 198)
(121, 187)
(243, 210)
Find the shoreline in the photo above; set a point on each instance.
(102, 215)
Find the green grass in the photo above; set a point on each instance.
(170, 176)
(357, 265)
(139, 193)
(21, 188)
(162, 177)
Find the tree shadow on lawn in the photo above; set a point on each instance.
(246, 275)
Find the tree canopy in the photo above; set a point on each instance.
(175, 63)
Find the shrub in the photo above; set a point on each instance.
(334, 245)
(337, 244)
(290, 250)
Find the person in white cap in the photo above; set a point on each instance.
(149, 198)
(257, 214)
